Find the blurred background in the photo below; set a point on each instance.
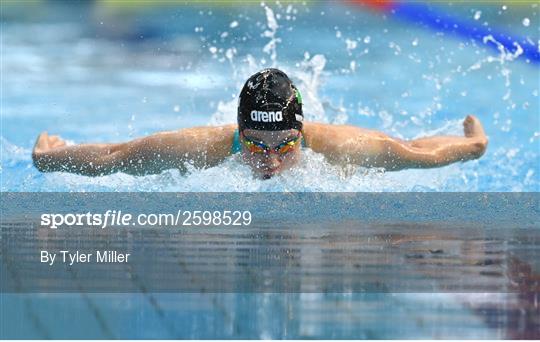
(109, 71)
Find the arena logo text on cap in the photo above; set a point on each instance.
(262, 116)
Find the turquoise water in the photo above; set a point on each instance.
(96, 75)
(254, 316)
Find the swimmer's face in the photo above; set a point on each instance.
(268, 164)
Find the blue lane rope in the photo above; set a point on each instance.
(425, 15)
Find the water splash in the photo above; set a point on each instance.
(504, 57)
(270, 47)
(309, 77)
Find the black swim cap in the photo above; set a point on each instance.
(269, 101)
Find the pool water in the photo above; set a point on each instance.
(96, 73)
(101, 73)
(434, 266)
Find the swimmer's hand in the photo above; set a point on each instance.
(473, 129)
(45, 143)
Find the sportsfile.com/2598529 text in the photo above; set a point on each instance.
(118, 218)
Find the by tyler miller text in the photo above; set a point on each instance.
(77, 257)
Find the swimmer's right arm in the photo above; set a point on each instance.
(200, 146)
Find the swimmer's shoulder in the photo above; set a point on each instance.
(209, 137)
(318, 136)
(313, 129)
(223, 137)
(316, 133)
(217, 140)
(211, 133)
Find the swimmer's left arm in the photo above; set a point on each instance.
(354, 145)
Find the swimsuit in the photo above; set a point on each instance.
(237, 147)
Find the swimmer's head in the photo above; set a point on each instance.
(269, 101)
(270, 122)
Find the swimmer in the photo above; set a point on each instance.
(270, 136)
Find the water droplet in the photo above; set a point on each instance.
(351, 44)
(511, 153)
(477, 15)
(233, 24)
(507, 126)
(526, 22)
(230, 53)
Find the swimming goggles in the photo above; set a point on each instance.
(259, 147)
